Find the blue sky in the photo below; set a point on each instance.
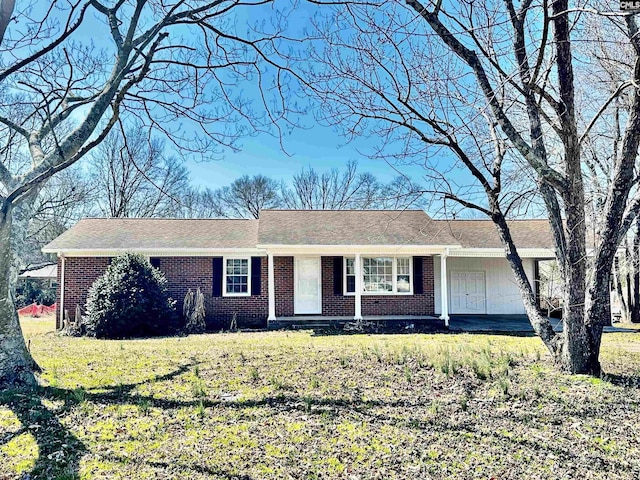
(314, 145)
(318, 147)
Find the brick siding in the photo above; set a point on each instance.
(283, 279)
(344, 305)
(183, 273)
(79, 275)
(197, 272)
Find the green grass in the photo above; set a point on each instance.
(292, 405)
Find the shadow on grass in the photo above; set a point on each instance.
(626, 381)
(59, 450)
(213, 472)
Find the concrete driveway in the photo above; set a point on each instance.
(508, 323)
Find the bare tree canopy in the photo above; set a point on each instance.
(133, 177)
(333, 190)
(337, 189)
(246, 196)
(173, 67)
(516, 94)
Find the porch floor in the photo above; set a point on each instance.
(325, 321)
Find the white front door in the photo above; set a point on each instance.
(467, 292)
(307, 286)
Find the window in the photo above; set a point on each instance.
(237, 276)
(155, 262)
(403, 275)
(350, 275)
(380, 275)
(377, 274)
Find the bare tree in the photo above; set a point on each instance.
(200, 203)
(172, 67)
(246, 196)
(62, 201)
(332, 190)
(401, 193)
(496, 88)
(134, 178)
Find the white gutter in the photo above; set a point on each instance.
(353, 249)
(156, 252)
(500, 253)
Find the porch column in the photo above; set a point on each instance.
(444, 290)
(358, 269)
(272, 289)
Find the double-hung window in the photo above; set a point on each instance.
(237, 277)
(377, 274)
(380, 275)
(403, 275)
(350, 275)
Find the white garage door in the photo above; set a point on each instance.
(467, 292)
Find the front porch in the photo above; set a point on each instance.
(391, 323)
(339, 286)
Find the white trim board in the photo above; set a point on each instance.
(155, 252)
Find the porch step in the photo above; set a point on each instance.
(304, 325)
(371, 324)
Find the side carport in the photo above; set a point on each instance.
(477, 280)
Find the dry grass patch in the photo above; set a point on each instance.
(291, 405)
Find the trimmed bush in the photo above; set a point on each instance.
(130, 300)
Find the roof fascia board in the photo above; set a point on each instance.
(155, 252)
(499, 252)
(353, 249)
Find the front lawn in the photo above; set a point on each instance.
(292, 405)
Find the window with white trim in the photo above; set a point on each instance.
(377, 274)
(403, 275)
(380, 275)
(350, 275)
(237, 277)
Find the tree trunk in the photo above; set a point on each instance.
(541, 325)
(16, 365)
(580, 339)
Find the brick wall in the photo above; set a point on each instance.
(283, 279)
(197, 272)
(334, 305)
(182, 273)
(79, 275)
(342, 305)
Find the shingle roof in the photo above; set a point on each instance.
(483, 233)
(351, 227)
(120, 233)
(297, 227)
